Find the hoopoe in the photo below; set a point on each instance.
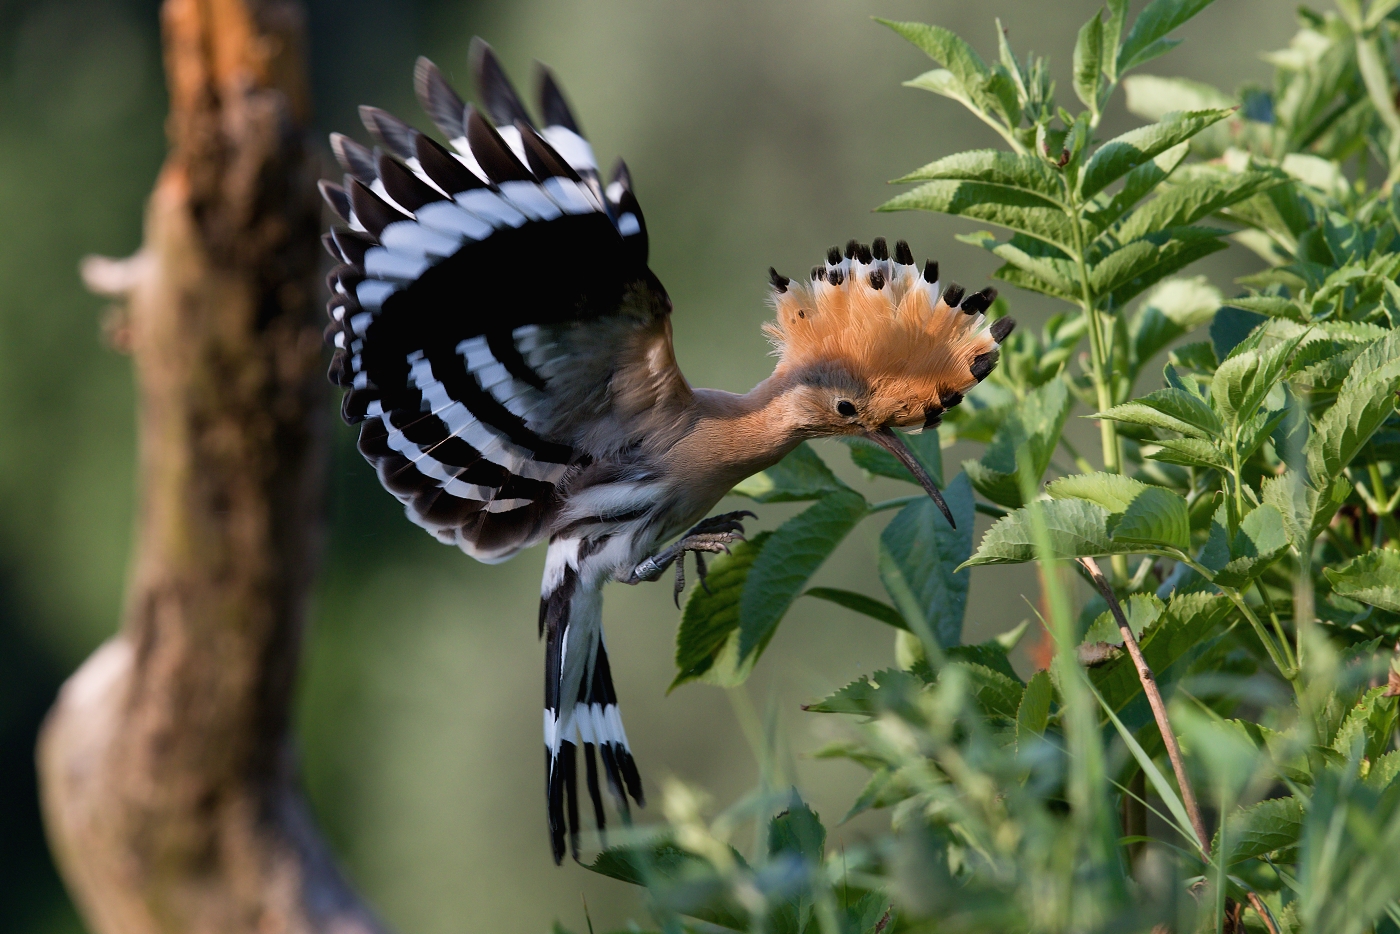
(507, 354)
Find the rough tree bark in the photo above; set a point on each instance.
(168, 779)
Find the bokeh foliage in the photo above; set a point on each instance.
(1247, 509)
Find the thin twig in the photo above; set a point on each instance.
(1154, 698)
(1258, 905)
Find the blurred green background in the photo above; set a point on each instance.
(757, 134)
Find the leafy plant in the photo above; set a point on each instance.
(1235, 670)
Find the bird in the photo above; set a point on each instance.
(506, 352)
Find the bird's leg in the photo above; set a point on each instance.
(713, 535)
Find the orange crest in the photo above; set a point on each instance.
(888, 325)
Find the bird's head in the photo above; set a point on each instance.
(869, 343)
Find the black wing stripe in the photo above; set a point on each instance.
(543, 160)
(371, 210)
(447, 171)
(404, 187)
(492, 153)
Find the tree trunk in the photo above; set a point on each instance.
(168, 778)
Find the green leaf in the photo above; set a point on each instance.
(1172, 409)
(1075, 528)
(788, 560)
(1122, 154)
(1138, 513)
(1131, 269)
(1056, 272)
(1200, 197)
(919, 560)
(1157, 517)
(707, 641)
(802, 475)
(990, 654)
(1372, 578)
(1176, 635)
(1141, 609)
(1113, 491)
(1034, 712)
(1033, 427)
(1173, 308)
(1365, 401)
(1306, 512)
(995, 693)
(945, 47)
(1265, 828)
(797, 831)
(1152, 97)
(1088, 62)
(1026, 174)
(1191, 452)
(874, 459)
(860, 603)
(1030, 214)
(1147, 38)
(1137, 184)
(1260, 541)
(1245, 378)
(870, 694)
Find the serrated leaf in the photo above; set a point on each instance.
(1173, 409)
(1152, 97)
(1056, 272)
(870, 694)
(990, 654)
(1147, 37)
(797, 831)
(1075, 528)
(1088, 62)
(707, 641)
(1260, 541)
(1034, 712)
(1186, 203)
(1122, 154)
(1373, 578)
(1173, 308)
(1366, 399)
(919, 560)
(1113, 491)
(1030, 214)
(1156, 517)
(802, 475)
(1137, 184)
(1026, 174)
(995, 693)
(1180, 631)
(1132, 268)
(1306, 511)
(945, 47)
(1190, 452)
(788, 560)
(1141, 609)
(1264, 828)
(860, 603)
(1033, 427)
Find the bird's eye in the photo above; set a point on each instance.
(846, 409)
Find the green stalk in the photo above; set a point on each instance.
(1108, 431)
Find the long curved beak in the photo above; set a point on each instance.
(887, 439)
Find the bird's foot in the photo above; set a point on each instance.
(712, 536)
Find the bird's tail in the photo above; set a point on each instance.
(580, 709)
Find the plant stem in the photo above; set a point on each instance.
(1154, 699)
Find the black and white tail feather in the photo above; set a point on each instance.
(469, 275)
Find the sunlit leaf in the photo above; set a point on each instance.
(1147, 38)
(1122, 154)
(919, 560)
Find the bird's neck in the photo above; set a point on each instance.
(734, 436)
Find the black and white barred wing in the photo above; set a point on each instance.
(485, 296)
